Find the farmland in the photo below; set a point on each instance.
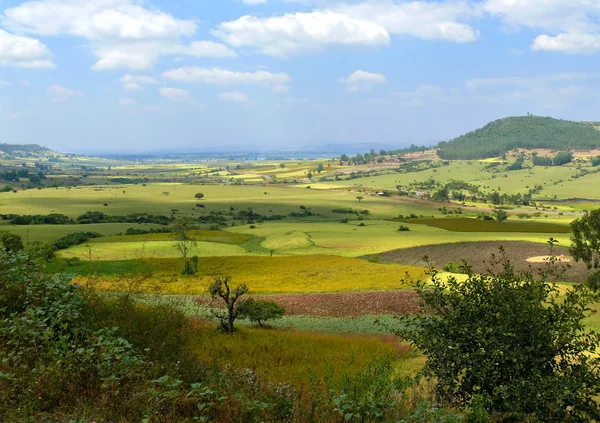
(340, 251)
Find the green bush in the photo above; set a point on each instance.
(260, 311)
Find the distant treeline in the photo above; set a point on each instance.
(531, 132)
(85, 219)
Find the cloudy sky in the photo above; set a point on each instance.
(131, 75)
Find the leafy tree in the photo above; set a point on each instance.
(542, 161)
(443, 194)
(282, 165)
(585, 241)
(309, 175)
(562, 158)
(500, 215)
(495, 198)
(510, 340)
(181, 232)
(260, 310)
(199, 196)
(596, 161)
(11, 242)
(360, 198)
(320, 168)
(220, 289)
(517, 165)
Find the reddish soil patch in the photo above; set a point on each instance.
(347, 304)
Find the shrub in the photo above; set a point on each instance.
(511, 340)
(454, 267)
(76, 238)
(260, 311)
(403, 228)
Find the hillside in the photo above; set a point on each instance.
(23, 150)
(502, 135)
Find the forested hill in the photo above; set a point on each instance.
(503, 135)
(23, 150)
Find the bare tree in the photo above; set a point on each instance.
(184, 240)
(220, 288)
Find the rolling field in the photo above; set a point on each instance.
(293, 274)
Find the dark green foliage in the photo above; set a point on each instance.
(511, 340)
(500, 215)
(562, 158)
(49, 219)
(100, 217)
(76, 238)
(443, 194)
(260, 311)
(403, 228)
(454, 267)
(11, 242)
(596, 161)
(585, 241)
(6, 188)
(517, 165)
(531, 132)
(543, 161)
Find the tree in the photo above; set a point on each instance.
(511, 341)
(500, 215)
(282, 165)
(199, 196)
(260, 310)
(320, 168)
(360, 198)
(220, 288)
(443, 194)
(585, 240)
(181, 232)
(596, 161)
(309, 175)
(11, 242)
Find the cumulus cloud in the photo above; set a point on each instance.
(122, 33)
(217, 76)
(175, 94)
(572, 25)
(421, 19)
(295, 33)
(62, 94)
(25, 52)
(136, 82)
(234, 97)
(362, 81)
(577, 43)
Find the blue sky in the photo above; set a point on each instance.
(139, 76)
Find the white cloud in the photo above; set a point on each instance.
(234, 97)
(577, 43)
(362, 81)
(24, 52)
(426, 20)
(295, 33)
(127, 101)
(136, 82)
(175, 94)
(122, 33)
(217, 76)
(61, 94)
(574, 25)
(254, 2)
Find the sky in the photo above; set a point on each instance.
(132, 76)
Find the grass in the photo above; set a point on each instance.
(462, 224)
(199, 235)
(296, 357)
(292, 274)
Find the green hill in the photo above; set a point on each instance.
(23, 150)
(502, 135)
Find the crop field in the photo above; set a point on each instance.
(305, 273)
(461, 224)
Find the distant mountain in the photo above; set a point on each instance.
(502, 135)
(23, 150)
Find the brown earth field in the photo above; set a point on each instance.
(479, 256)
(348, 304)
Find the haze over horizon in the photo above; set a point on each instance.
(258, 75)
